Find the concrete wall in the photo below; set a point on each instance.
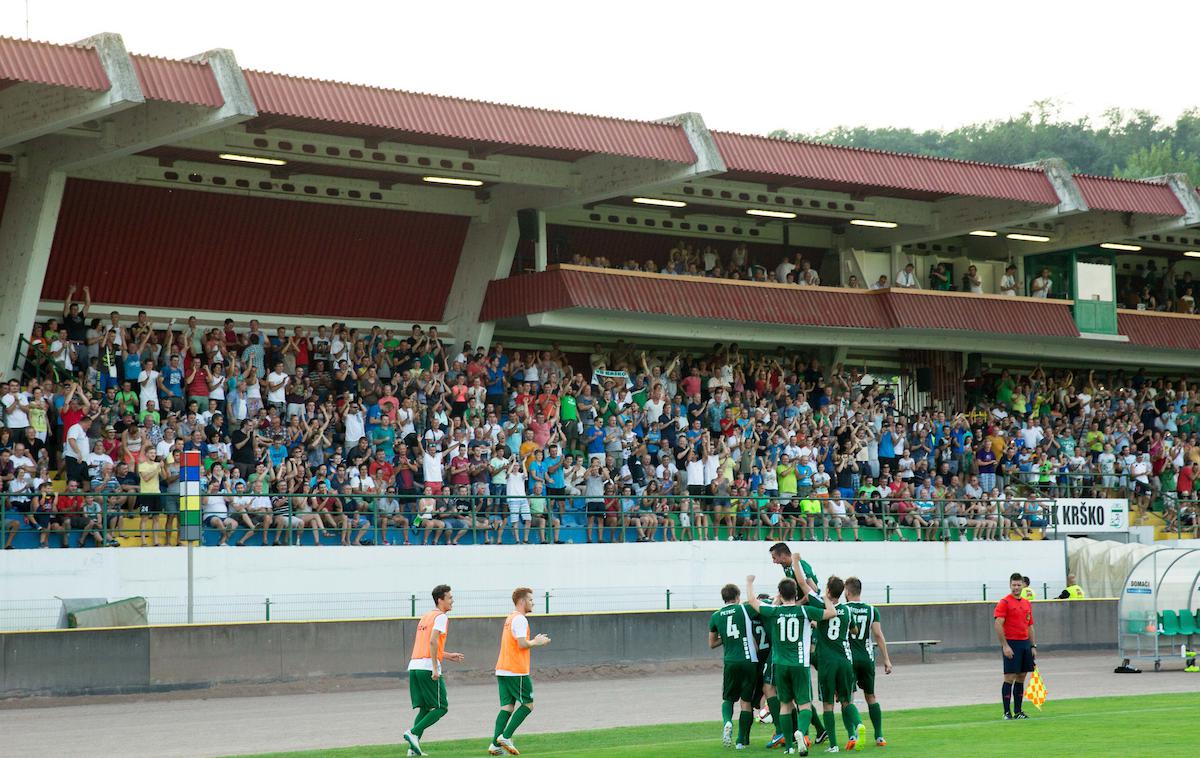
(182, 657)
(582, 578)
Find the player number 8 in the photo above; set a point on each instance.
(835, 628)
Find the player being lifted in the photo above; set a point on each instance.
(866, 631)
(795, 568)
(426, 687)
(835, 674)
(790, 632)
(512, 672)
(741, 636)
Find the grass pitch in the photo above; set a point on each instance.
(1159, 725)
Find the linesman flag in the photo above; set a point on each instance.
(1035, 691)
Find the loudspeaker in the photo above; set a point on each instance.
(974, 365)
(527, 222)
(924, 379)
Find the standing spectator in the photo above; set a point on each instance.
(971, 281)
(1008, 282)
(1041, 285)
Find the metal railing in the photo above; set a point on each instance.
(135, 519)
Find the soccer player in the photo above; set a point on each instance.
(790, 632)
(794, 567)
(835, 675)
(512, 672)
(1014, 629)
(733, 628)
(866, 631)
(426, 687)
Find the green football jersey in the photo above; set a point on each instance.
(862, 644)
(805, 567)
(833, 635)
(790, 632)
(737, 632)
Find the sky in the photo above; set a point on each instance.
(746, 66)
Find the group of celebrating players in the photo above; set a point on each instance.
(770, 646)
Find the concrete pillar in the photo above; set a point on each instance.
(543, 244)
(26, 234)
(487, 254)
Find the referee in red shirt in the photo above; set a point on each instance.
(1014, 629)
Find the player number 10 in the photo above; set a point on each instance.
(789, 628)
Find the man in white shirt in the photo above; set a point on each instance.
(1041, 285)
(277, 382)
(1008, 282)
(356, 424)
(77, 451)
(16, 409)
(148, 384)
(784, 268)
(906, 278)
(432, 463)
(971, 281)
(881, 283)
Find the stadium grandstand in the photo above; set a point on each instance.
(387, 317)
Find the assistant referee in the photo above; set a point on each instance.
(1014, 629)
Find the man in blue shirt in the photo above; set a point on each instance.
(595, 439)
(172, 377)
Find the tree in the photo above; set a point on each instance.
(1131, 144)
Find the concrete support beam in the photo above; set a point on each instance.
(26, 234)
(541, 248)
(487, 254)
(29, 111)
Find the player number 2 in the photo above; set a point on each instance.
(731, 630)
(835, 628)
(789, 628)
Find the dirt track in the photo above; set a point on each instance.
(201, 725)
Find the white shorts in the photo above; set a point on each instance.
(518, 510)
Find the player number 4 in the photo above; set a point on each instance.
(731, 630)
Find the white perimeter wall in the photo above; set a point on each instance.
(335, 582)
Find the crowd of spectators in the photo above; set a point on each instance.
(338, 431)
(1147, 288)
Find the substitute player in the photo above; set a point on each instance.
(732, 627)
(1014, 629)
(790, 632)
(835, 674)
(426, 687)
(512, 672)
(866, 631)
(799, 570)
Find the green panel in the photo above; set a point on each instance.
(1096, 316)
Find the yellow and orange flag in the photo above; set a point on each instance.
(1035, 690)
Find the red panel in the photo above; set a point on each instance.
(991, 314)
(1122, 195)
(874, 168)
(1178, 332)
(23, 60)
(177, 81)
(465, 119)
(619, 245)
(204, 250)
(686, 297)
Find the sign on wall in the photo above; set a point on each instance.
(1090, 515)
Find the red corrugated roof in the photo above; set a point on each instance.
(1104, 193)
(1174, 332)
(571, 287)
(1035, 318)
(23, 60)
(465, 119)
(187, 82)
(874, 168)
